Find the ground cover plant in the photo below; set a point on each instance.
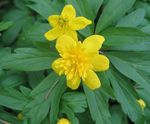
(74, 62)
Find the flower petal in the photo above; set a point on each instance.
(92, 80)
(53, 34)
(53, 20)
(93, 43)
(74, 82)
(79, 23)
(68, 12)
(72, 34)
(65, 43)
(100, 62)
(55, 66)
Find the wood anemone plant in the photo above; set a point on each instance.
(74, 61)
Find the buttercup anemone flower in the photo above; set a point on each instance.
(67, 23)
(141, 103)
(63, 121)
(80, 60)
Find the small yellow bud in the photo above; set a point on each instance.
(141, 103)
(63, 121)
(20, 116)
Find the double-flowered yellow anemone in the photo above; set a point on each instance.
(80, 60)
(67, 23)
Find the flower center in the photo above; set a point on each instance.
(62, 22)
(75, 62)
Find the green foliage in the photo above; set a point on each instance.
(29, 86)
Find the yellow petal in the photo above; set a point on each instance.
(74, 82)
(100, 62)
(92, 80)
(68, 12)
(55, 66)
(53, 20)
(72, 34)
(79, 23)
(93, 43)
(64, 44)
(63, 121)
(53, 34)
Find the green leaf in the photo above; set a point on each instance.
(35, 78)
(46, 92)
(12, 79)
(98, 105)
(4, 52)
(124, 95)
(22, 18)
(106, 86)
(109, 15)
(144, 6)
(35, 33)
(44, 7)
(70, 114)
(7, 117)
(5, 25)
(95, 5)
(83, 118)
(118, 117)
(146, 29)
(126, 39)
(13, 99)
(28, 59)
(56, 95)
(129, 71)
(45, 84)
(75, 101)
(133, 19)
(38, 113)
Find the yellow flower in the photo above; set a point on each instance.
(20, 116)
(63, 121)
(141, 103)
(66, 23)
(80, 60)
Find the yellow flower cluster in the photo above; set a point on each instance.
(78, 60)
